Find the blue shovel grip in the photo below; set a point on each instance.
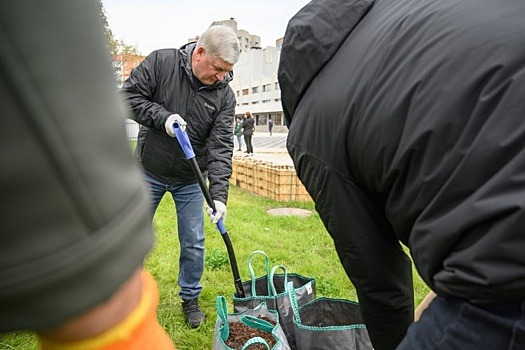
(184, 141)
(221, 226)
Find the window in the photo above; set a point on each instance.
(245, 91)
(255, 90)
(266, 87)
(277, 86)
(266, 101)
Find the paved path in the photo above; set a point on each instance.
(264, 141)
(268, 148)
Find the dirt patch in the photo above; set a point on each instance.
(241, 333)
(289, 212)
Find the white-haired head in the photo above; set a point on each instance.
(221, 41)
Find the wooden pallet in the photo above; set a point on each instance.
(273, 181)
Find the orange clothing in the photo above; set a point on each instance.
(139, 331)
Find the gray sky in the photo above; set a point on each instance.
(156, 24)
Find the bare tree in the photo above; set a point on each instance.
(121, 53)
(110, 38)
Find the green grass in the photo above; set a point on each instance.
(301, 244)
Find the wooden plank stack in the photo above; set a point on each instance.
(273, 181)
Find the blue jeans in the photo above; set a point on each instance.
(450, 324)
(239, 140)
(189, 204)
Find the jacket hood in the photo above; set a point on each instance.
(312, 37)
(185, 53)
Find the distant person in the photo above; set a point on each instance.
(238, 132)
(248, 126)
(188, 86)
(407, 125)
(270, 126)
(75, 213)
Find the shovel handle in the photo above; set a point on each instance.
(185, 143)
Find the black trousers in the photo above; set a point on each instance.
(248, 141)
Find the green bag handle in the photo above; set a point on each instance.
(258, 323)
(293, 300)
(222, 313)
(252, 272)
(272, 289)
(255, 340)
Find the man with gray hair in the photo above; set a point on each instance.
(188, 86)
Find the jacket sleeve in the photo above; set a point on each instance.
(369, 252)
(76, 221)
(139, 90)
(220, 150)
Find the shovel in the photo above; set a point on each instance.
(184, 142)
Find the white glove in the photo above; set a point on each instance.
(220, 213)
(172, 119)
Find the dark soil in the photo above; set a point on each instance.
(241, 333)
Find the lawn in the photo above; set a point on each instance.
(301, 244)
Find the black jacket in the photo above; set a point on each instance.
(407, 123)
(163, 84)
(248, 126)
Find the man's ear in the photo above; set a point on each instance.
(197, 54)
(200, 50)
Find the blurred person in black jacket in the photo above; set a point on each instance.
(407, 124)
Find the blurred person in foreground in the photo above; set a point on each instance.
(75, 214)
(407, 125)
(188, 86)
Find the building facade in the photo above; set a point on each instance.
(123, 64)
(246, 40)
(255, 79)
(256, 87)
